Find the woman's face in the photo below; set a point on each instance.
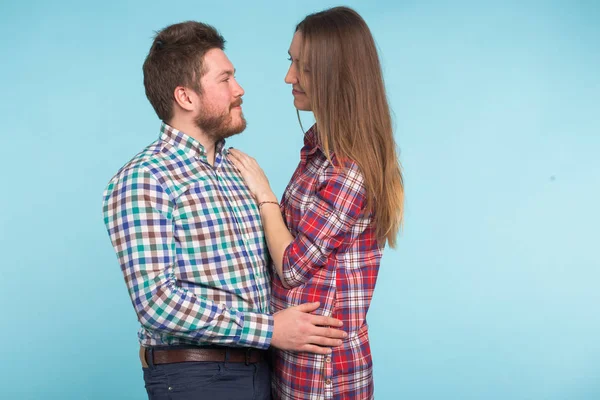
(299, 89)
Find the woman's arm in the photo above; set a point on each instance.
(332, 221)
(278, 235)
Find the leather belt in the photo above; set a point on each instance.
(169, 356)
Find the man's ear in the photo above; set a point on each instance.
(186, 98)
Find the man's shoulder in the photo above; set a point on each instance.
(152, 169)
(141, 177)
(144, 162)
(160, 164)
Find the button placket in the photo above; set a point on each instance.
(328, 368)
(239, 222)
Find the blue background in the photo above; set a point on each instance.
(493, 290)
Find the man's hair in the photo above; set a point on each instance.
(176, 59)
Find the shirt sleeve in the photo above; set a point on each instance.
(331, 223)
(138, 213)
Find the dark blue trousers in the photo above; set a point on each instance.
(208, 380)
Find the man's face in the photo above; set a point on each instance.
(220, 113)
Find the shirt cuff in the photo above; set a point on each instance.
(257, 330)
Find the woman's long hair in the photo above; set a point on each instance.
(339, 61)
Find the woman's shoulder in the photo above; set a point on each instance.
(344, 178)
(343, 168)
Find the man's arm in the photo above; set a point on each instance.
(138, 214)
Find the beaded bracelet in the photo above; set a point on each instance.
(266, 202)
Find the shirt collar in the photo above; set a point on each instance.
(311, 143)
(187, 143)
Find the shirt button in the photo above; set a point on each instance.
(221, 317)
(328, 382)
(326, 214)
(328, 359)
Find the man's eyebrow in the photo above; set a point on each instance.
(228, 72)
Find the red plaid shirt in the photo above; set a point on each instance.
(334, 259)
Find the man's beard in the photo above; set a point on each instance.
(220, 126)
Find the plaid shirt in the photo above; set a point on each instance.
(190, 243)
(334, 259)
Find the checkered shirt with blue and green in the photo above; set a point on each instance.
(191, 246)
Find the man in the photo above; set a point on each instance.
(188, 236)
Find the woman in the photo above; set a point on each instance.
(342, 205)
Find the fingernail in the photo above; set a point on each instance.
(328, 351)
(345, 334)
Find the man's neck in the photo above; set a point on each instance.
(191, 129)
